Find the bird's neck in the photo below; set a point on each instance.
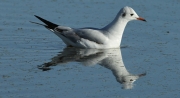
(116, 27)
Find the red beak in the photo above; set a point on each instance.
(142, 19)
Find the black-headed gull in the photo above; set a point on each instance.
(109, 36)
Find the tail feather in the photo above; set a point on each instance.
(38, 23)
(48, 25)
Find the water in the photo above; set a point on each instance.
(151, 56)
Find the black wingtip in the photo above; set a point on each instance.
(49, 24)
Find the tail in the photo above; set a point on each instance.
(48, 24)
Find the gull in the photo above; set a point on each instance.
(109, 36)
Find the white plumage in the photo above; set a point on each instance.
(109, 36)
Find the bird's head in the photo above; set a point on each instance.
(129, 14)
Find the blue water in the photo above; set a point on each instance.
(152, 51)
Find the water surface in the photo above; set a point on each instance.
(151, 56)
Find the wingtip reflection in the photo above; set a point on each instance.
(108, 58)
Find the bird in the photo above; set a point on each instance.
(106, 37)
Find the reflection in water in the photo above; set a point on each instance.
(109, 58)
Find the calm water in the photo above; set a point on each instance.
(35, 63)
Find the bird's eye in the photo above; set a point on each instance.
(124, 14)
(131, 79)
(131, 14)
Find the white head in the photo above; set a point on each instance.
(129, 14)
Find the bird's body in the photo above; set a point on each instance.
(108, 37)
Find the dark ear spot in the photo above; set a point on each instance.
(131, 14)
(124, 14)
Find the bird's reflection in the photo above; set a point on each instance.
(109, 58)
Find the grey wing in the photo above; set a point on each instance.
(74, 35)
(71, 36)
(67, 32)
(91, 34)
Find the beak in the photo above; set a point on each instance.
(140, 18)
